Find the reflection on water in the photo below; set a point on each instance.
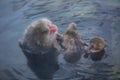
(93, 17)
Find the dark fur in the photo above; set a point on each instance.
(95, 50)
(95, 56)
(43, 65)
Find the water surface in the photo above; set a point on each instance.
(93, 17)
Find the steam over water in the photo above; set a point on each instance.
(93, 18)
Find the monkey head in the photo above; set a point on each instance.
(97, 43)
(95, 49)
(40, 33)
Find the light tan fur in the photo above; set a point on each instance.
(72, 43)
(96, 44)
(36, 35)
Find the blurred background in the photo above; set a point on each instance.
(93, 18)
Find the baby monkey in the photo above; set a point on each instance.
(95, 48)
(72, 44)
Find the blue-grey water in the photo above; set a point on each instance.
(93, 18)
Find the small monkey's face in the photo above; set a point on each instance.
(97, 43)
(96, 46)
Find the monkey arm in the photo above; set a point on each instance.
(84, 43)
(59, 39)
(87, 51)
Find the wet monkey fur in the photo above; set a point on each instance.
(40, 34)
(95, 48)
(39, 45)
(72, 44)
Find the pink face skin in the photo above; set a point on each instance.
(52, 28)
(52, 36)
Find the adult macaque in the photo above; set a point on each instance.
(40, 35)
(95, 48)
(72, 44)
(40, 47)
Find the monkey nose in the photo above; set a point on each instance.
(52, 28)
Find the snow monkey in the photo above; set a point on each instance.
(40, 34)
(40, 47)
(95, 48)
(72, 44)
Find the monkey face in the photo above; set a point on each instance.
(52, 32)
(96, 46)
(52, 29)
(97, 43)
(40, 33)
(46, 29)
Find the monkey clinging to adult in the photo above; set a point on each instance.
(72, 44)
(40, 47)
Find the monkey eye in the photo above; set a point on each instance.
(45, 31)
